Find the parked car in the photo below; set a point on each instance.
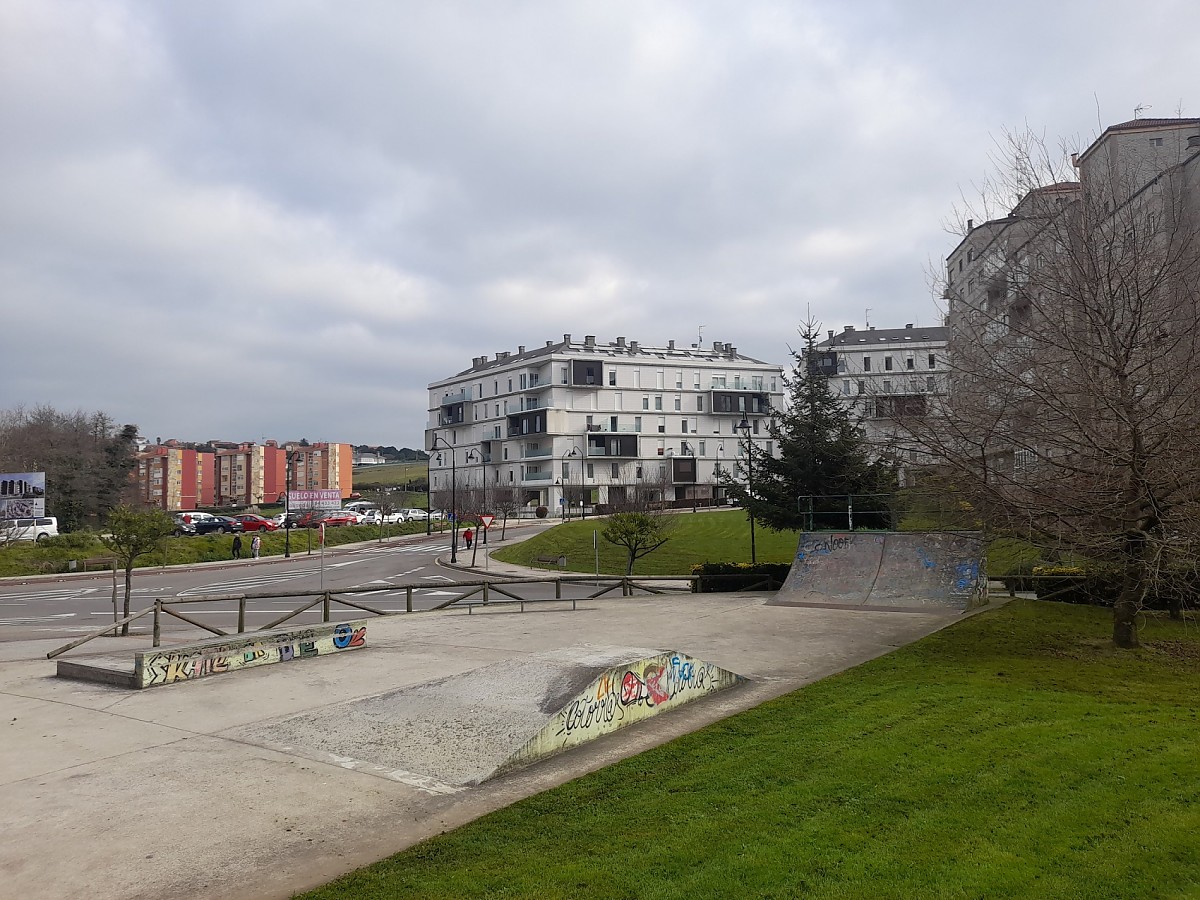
(37, 528)
(186, 521)
(336, 517)
(217, 525)
(376, 517)
(360, 506)
(414, 515)
(252, 522)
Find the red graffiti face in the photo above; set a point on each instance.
(654, 677)
(632, 689)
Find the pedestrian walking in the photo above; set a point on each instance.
(237, 546)
(468, 536)
(255, 545)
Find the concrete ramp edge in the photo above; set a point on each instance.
(621, 696)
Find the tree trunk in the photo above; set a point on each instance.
(1133, 589)
(128, 592)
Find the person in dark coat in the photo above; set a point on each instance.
(237, 546)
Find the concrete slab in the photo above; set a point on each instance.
(887, 569)
(442, 736)
(108, 793)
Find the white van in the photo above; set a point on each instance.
(38, 529)
(360, 506)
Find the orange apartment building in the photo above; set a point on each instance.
(176, 478)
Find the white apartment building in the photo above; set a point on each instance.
(885, 374)
(582, 419)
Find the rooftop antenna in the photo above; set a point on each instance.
(1141, 108)
(867, 316)
(699, 336)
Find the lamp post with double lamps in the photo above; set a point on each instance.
(453, 495)
(574, 451)
(744, 427)
(289, 459)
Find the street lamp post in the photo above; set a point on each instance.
(453, 495)
(574, 451)
(744, 427)
(687, 451)
(472, 455)
(289, 458)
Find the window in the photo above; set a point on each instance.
(683, 428)
(591, 473)
(887, 363)
(510, 474)
(701, 450)
(639, 471)
(645, 401)
(699, 403)
(930, 383)
(612, 377)
(679, 378)
(910, 363)
(616, 470)
(658, 401)
(510, 384)
(1156, 142)
(696, 380)
(862, 388)
(637, 424)
(524, 381)
(845, 385)
(932, 361)
(887, 387)
(678, 404)
(866, 364)
(662, 424)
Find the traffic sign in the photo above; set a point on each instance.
(487, 520)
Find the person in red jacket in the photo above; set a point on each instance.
(468, 536)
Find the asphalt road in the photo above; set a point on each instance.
(70, 606)
(73, 605)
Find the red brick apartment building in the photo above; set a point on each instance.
(172, 477)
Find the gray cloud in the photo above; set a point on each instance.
(232, 220)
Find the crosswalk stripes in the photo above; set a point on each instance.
(405, 548)
(227, 587)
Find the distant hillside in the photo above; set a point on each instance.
(391, 454)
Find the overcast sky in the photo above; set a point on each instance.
(284, 218)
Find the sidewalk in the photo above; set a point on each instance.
(175, 792)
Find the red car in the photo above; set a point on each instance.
(339, 517)
(251, 522)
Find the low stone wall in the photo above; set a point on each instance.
(219, 656)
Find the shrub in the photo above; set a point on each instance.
(723, 577)
(541, 512)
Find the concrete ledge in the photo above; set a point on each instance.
(218, 656)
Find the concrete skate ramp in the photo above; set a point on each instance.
(899, 569)
(445, 735)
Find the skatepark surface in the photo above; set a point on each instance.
(236, 786)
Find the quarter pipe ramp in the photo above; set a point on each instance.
(889, 569)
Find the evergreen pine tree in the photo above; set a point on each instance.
(822, 455)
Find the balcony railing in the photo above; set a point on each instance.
(538, 476)
(606, 428)
(535, 454)
(459, 397)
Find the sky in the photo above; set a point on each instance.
(283, 219)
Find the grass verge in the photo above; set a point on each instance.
(1014, 755)
(722, 536)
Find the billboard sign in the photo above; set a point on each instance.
(22, 494)
(316, 499)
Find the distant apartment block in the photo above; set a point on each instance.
(238, 475)
(887, 375)
(583, 419)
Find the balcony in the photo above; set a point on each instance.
(538, 476)
(605, 428)
(457, 397)
(539, 453)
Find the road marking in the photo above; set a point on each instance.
(225, 587)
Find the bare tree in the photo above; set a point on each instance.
(1075, 395)
(133, 533)
(638, 520)
(506, 501)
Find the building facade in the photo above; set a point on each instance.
(580, 420)
(180, 478)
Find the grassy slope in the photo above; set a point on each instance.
(396, 474)
(722, 536)
(1014, 755)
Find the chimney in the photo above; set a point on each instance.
(970, 224)
(549, 343)
(718, 347)
(589, 340)
(831, 334)
(566, 339)
(670, 345)
(870, 328)
(633, 346)
(908, 326)
(732, 350)
(620, 342)
(849, 328)
(520, 348)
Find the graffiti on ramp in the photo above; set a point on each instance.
(892, 568)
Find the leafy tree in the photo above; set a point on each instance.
(640, 533)
(133, 533)
(822, 453)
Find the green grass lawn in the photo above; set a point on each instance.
(1014, 755)
(390, 474)
(696, 538)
